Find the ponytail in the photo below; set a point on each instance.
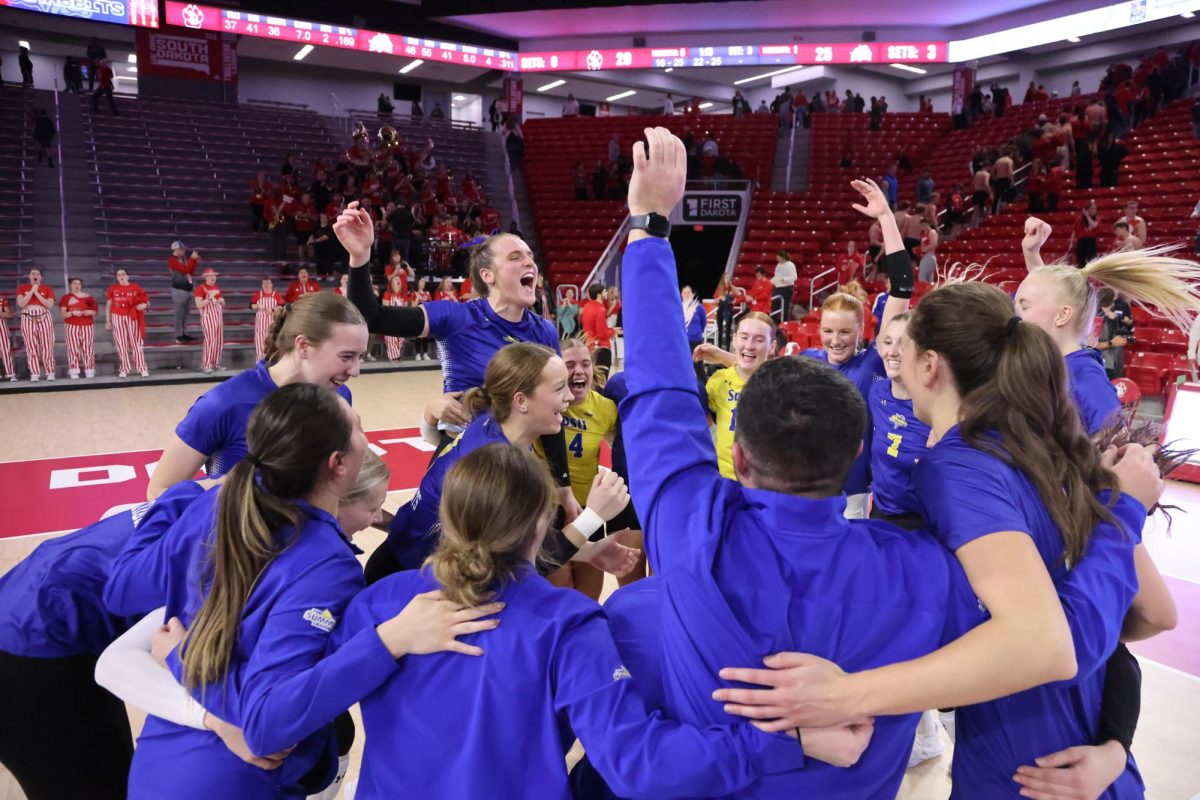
(311, 316)
(496, 505)
(1015, 401)
(515, 368)
(291, 435)
(271, 351)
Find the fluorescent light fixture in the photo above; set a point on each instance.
(410, 66)
(125, 78)
(706, 105)
(1187, 15)
(907, 68)
(551, 85)
(620, 96)
(669, 69)
(24, 44)
(1073, 39)
(768, 74)
(459, 97)
(133, 58)
(132, 68)
(308, 48)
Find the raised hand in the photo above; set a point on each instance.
(659, 173)
(875, 202)
(356, 232)
(1036, 233)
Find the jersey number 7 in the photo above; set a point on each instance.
(894, 448)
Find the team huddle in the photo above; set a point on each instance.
(815, 553)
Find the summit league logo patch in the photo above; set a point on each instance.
(320, 619)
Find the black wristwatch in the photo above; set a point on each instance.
(653, 224)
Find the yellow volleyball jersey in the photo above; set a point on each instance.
(585, 425)
(724, 388)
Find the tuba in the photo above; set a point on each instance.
(388, 139)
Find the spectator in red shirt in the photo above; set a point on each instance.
(851, 264)
(105, 87)
(761, 291)
(594, 321)
(260, 189)
(303, 224)
(446, 290)
(79, 311)
(125, 315)
(182, 288)
(490, 219)
(301, 286)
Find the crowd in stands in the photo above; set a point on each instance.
(95, 68)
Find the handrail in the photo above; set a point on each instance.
(62, 191)
(813, 289)
(787, 179)
(613, 244)
(512, 192)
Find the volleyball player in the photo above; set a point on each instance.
(1015, 489)
(125, 306)
(266, 302)
(321, 339)
(842, 317)
(79, 311)
(590, 419)
(469, 334)
(6, 359)
(275, 578)
(1061, 300)
(523, 398)
(753, 343)
(35, 299)
(211, 302)
(446, 727)
(395, 296)
(63, 736)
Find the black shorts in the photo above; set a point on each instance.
(979, 198)
(626, 519)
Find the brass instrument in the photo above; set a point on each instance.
(387, 137)
(279, 218)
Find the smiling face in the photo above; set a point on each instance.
(302, 275)
(752, 345)
(1038, 302)
(545, 406)
(335, 360)
(359, 514)
(890, 342)
(512, 273)
(686, 294)
(840, 332)
(210, 279)
(580, 373)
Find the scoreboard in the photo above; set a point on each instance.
(211, 18)
(735, 56)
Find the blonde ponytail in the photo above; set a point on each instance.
(1162, 284)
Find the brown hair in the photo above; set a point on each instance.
(1015, 403)
(311, 316)
(1159, 283)
(495, 501)
(482, 257)
(291, 434)
(514, 368)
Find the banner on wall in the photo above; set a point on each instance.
(191, 55)
(964, 82)
(121, 12)
(514, 96)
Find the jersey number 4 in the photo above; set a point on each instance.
(894, 448)
(576, 446)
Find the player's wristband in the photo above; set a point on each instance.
(900, 272)
(589, 525)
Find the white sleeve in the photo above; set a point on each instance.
(128, 670)
(1194, 341)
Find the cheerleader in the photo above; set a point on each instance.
(420, 298)
(446, 291)
(394, 296)
(268, 566)
(211, 302)
(266, 303)
(79, 311)
(1061, 299)
(842, 317)
(6, 358)
(301, 286)
(319, 339)
(590, 419)
(125, 315)
(35, 300)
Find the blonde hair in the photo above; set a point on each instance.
(599, 374)
(290, 436)
(311, 316)
(1161, 284)
(372, 473)
(495, 501)
(514, 368)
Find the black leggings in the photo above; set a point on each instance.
(61, 735)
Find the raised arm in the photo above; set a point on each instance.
(672, 462)
(896, 262)
(356, 232)
(1036, 234)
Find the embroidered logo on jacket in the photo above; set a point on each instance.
(898, 421)
(321, 620)
(621, 674)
